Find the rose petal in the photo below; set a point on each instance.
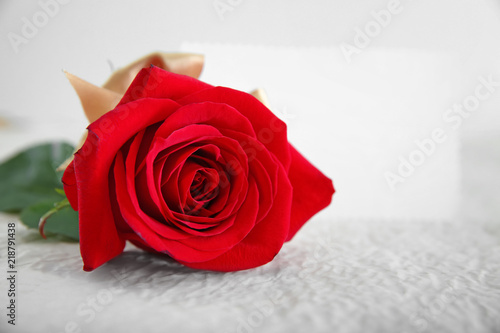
(269, 129)
(238, 162)
(153, 82)
(312, 191)
(264, 241)
(70, 188)
(139, 188)
(99, 239)
(141, 223)
(245, 220)
(263, 167)
(220, 116)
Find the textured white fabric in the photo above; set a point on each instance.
(341, 276)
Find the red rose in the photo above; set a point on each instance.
(203, 174)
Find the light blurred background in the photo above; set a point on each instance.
(355, 105)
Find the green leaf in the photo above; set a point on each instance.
(30, 177)
(63, 222)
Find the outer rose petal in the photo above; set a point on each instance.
(70, 188)
(99, 239)
(158, 83)
(312, 191)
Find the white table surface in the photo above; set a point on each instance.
(342, 276)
